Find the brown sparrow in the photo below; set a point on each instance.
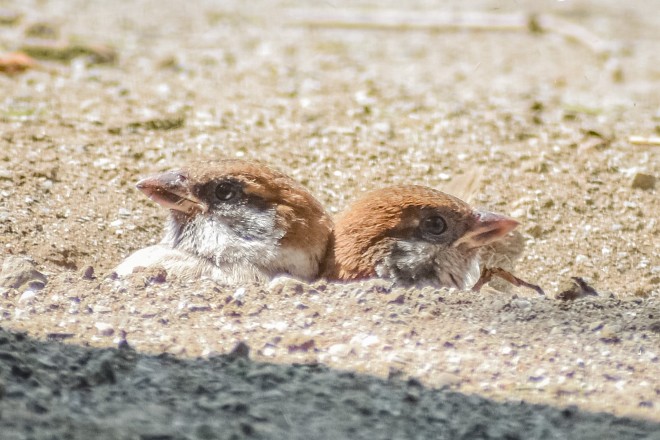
(413, 235)
(234, 221)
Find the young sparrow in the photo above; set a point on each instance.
(413, 235)
(234, 221)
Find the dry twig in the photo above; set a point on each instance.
(451, 22)
(641, 140)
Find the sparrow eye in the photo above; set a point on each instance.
(225, 191)
(434, 225)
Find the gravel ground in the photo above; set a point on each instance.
(551, 124)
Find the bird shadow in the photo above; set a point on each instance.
(56, 390)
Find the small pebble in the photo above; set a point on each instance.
(19, 272)
(239, 293)
(575, 288)
(339, 349)
(88, 273)
(610, 331)
(521, 303)
(27, 296)
(102, 309)
(104, 328)
(447, 379)
(9, 17)
(643, 181)
(240, 350)
(580, 259)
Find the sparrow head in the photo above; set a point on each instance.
(250, 221)
(413, 235)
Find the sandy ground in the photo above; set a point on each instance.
(545, 120)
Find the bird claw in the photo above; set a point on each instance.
(489, 272)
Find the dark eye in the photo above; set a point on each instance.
(434, 225)
(225, 191)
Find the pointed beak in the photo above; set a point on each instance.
(171, 190)
(487, 228)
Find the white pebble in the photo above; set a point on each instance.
(104, 328)
(28, 295)
(239, 293)
(581, 259)
(268, 351)
(339, 350)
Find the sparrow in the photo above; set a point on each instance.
(413, 235)
(234, 221)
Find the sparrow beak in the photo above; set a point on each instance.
(171, 190)
(487, 228)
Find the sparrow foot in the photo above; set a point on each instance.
(489, 272)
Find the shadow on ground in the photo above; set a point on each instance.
(52, 390)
